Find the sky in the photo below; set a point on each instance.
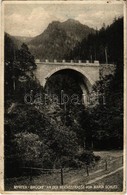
(32, 19)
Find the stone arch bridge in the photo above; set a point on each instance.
(86, 73)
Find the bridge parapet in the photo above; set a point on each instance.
(66, 62)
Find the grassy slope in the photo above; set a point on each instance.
(79, 177)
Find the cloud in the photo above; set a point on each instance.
(31, 24)
(97, 19)
(31, 20)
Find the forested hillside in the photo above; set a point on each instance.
(106, 45)
(56, 134)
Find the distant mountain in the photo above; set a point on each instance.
(18, 40)
(14, 40)
(23, 39)
(58, 39)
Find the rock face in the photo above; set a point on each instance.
(58, 39)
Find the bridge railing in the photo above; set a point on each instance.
(96, 62)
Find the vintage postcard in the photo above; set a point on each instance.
(62, 102)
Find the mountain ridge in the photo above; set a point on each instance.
(58, 39)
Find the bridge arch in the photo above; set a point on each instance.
(83, 81)
(86, 77)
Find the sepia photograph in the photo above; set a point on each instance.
(64, 95)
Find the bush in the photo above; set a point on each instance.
(88, 158)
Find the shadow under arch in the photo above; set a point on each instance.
(79, 77)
